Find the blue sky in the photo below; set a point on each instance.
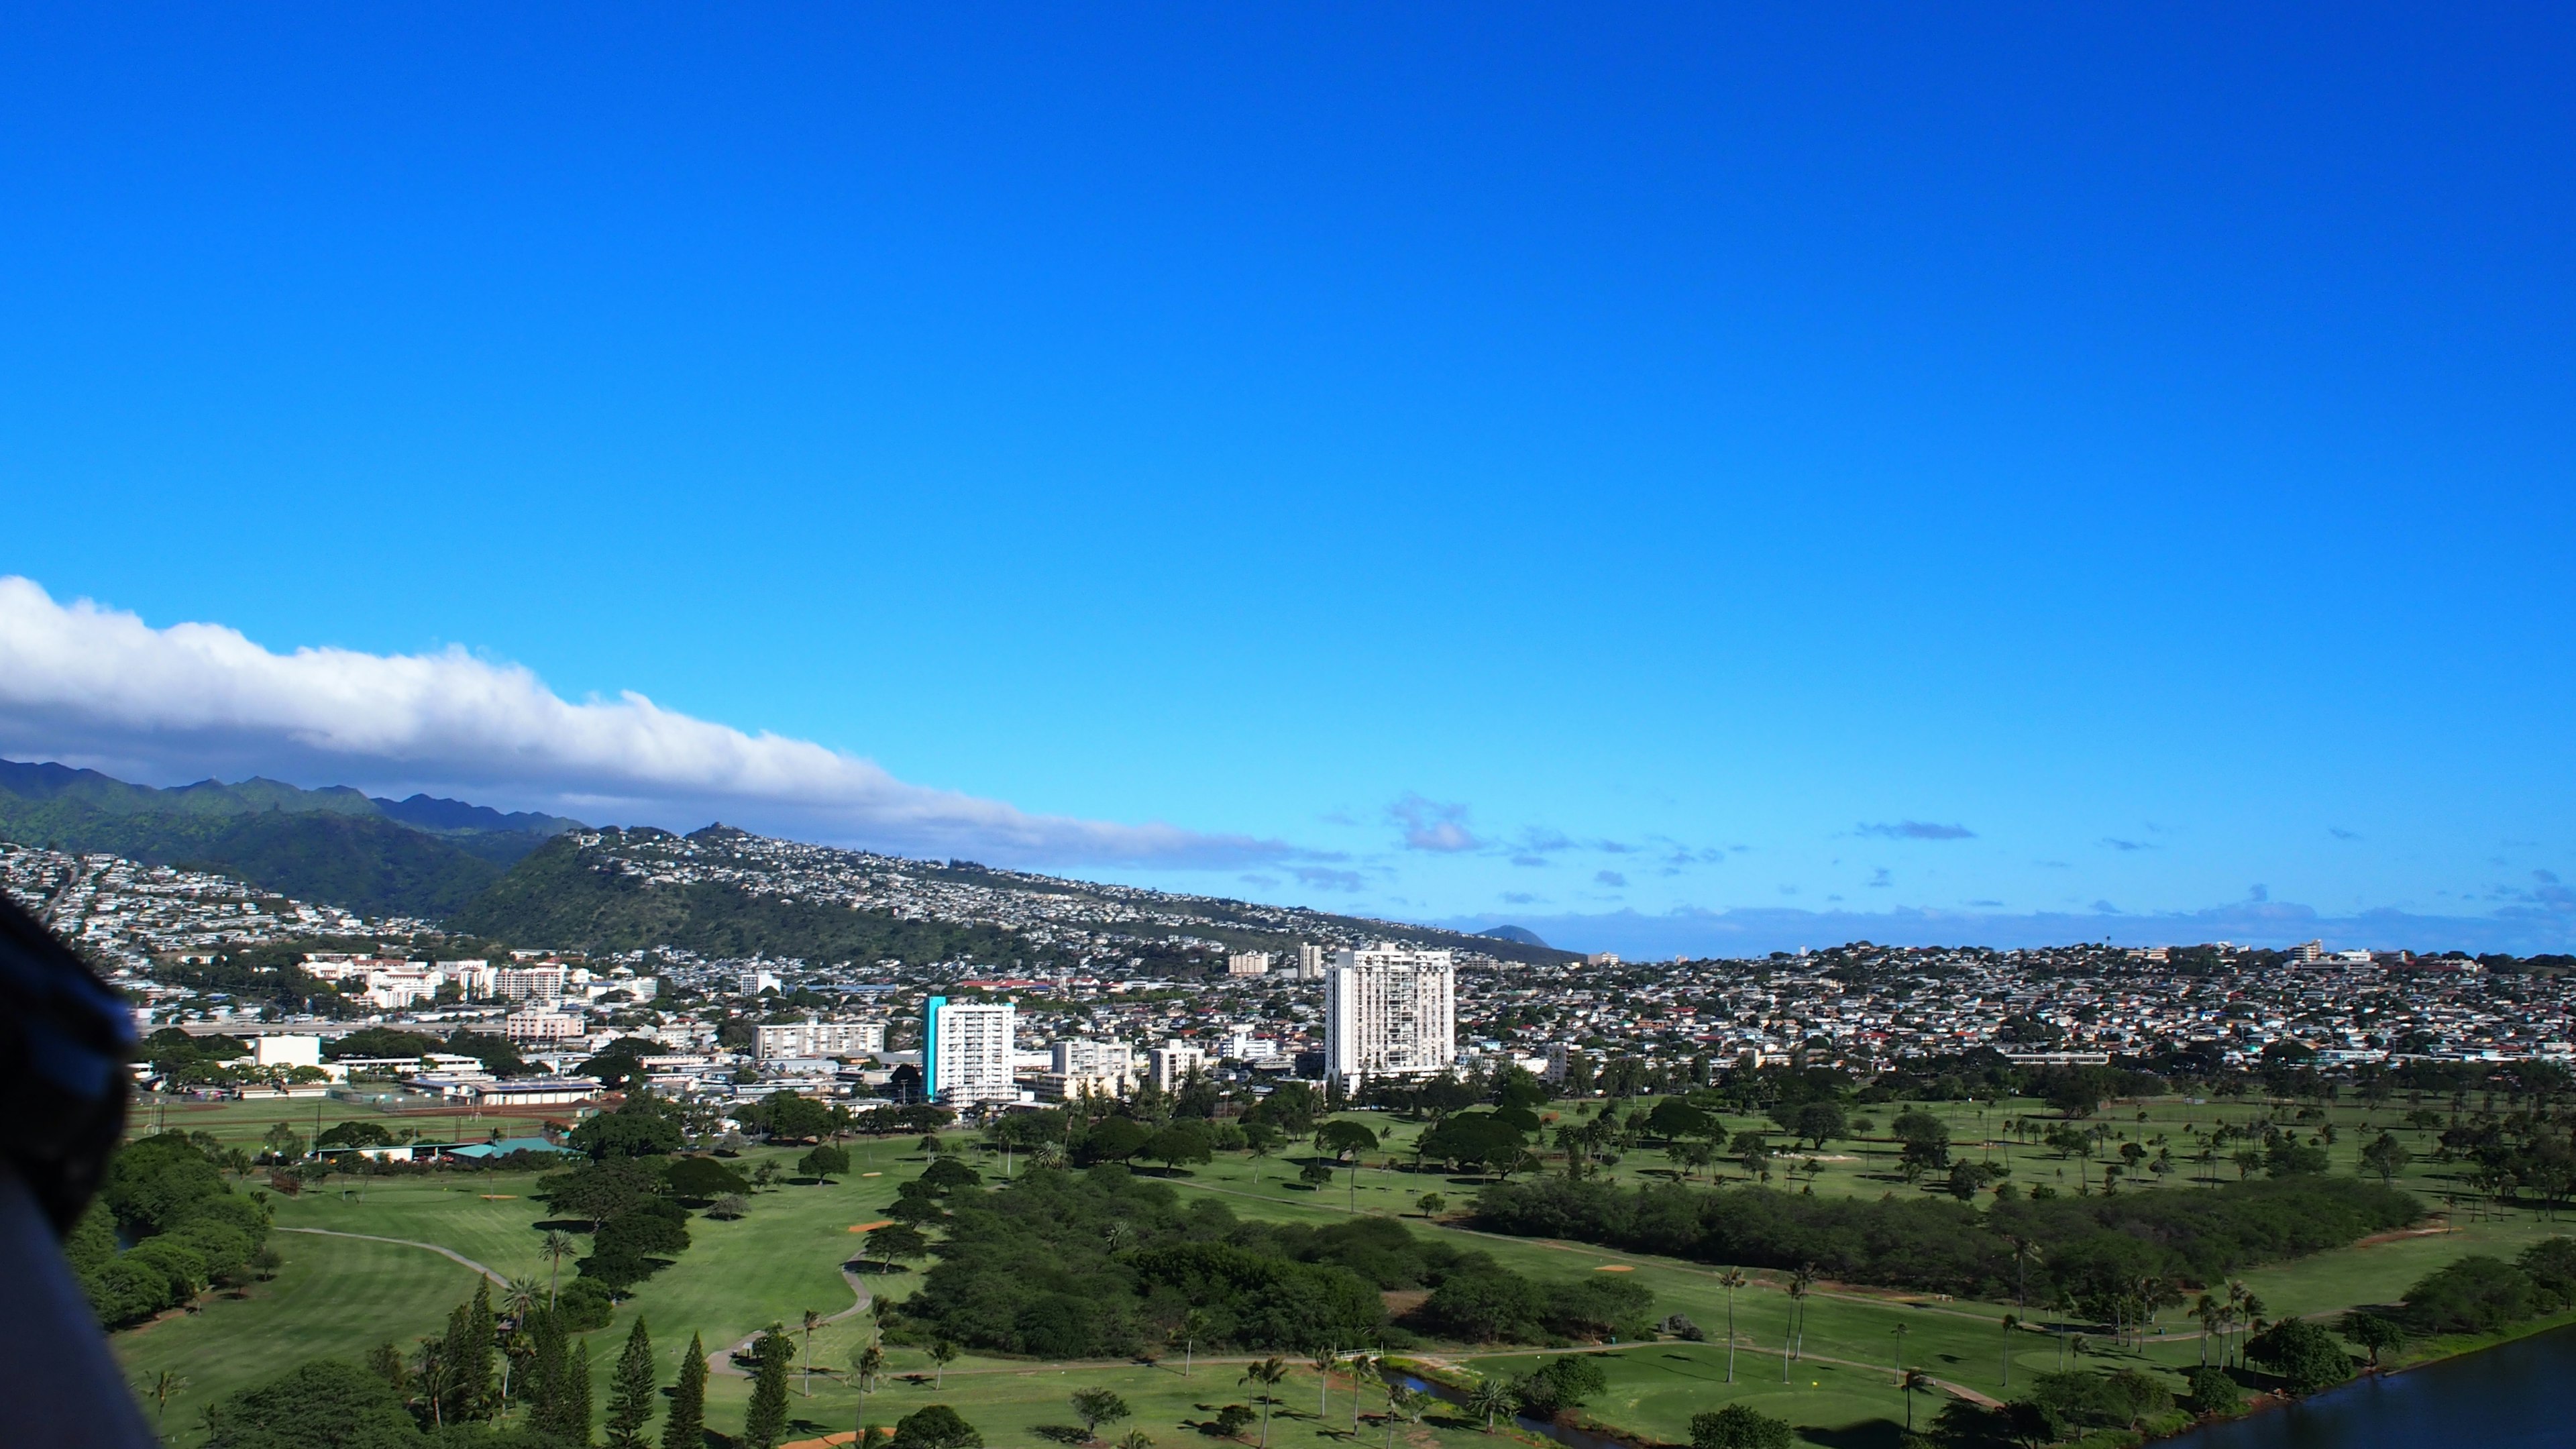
(1671, 476)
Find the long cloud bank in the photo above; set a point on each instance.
(94, 685)
(1756, 932)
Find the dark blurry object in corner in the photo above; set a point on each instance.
(65, 1041)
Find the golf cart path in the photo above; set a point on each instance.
(721, 1360)
(448, 1253)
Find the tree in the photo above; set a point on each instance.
(1818, 1123)
(864, 1368)
(896, 1242)
(2304, 1355)
(1177, 1144)
(2386, 1156)
(1193, 1323)
(558, 1246)
(630, 1391)
(811, 1321)
(1739, 1426)
(1490, 1399)
(942, 1354)
(765, 1421)
(1095, 1407)
(703, 1178)
(626, 1133)
(321, 1402)
(686, 1426)
(935, 1426)
(1916, 1381)
(1730, 1280)
(2374, 1333)
(1432, 1204)
(825, 1162)
(1268, 1373)
(573, 1414)
(159, 1389)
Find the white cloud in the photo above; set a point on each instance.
(96, 685)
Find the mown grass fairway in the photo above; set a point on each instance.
(338, 1296)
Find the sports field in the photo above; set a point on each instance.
(339, 1295)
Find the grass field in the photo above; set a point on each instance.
(338, 1296)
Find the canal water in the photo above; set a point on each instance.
(2513, 1397)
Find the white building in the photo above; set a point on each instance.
(813, 1038)
(530, 983)
(1113, 1060)
(1310, 962)
(1389, 1013)
(1248, 963)
(1169, 1065)
(286, 1051)
(474, 980)
(966, 1051)
(752, 983)
(541, 1026)
(1242, 1046)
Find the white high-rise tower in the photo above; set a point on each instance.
(1389, 1013)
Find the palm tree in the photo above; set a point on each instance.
(1802, 1283)
(1136, 1439)
(865, 1367)
(558, 1246)
(942, 1353)
(1401, 1403)
(1901, 1331)
(1915, 1381)
(1490, 1398)
(2025, 1253)
(1268, 1373)
(812, 1321)
(1193, 1323)
(1730, 1280)
(519, 1298)
(2011, 1322)
(2205, 1308)
(161, 1387)
(1322, 1363)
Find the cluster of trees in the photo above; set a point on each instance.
(2479, 1294)
(190, 1231)
(1105, 1263)
(2093, 1249)
(452, 1390)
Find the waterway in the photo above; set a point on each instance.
(1565, 1434)
(2511, 1397)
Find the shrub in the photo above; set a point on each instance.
(1739, 1427)
(2305, 1356)
(2551, 1265)
(2475, 1294)
(1559, 1384)
(322, 1402)
(2213, 1391)
(1231, 1420)
(936, 1427)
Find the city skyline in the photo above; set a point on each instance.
(1680, 482)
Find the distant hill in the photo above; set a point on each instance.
(1521, 934)
(723, 892)
(419, 857)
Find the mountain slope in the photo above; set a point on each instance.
(723, 892)
(332, 846)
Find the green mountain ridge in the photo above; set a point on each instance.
(420, 857)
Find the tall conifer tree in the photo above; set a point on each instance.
(765, 1422)
(630, 1391)
(686, 1427)
(576, 1400)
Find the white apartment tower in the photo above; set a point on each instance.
(1389, 1013)
(966, 1052)
(816, 1038)
(1310, 962)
